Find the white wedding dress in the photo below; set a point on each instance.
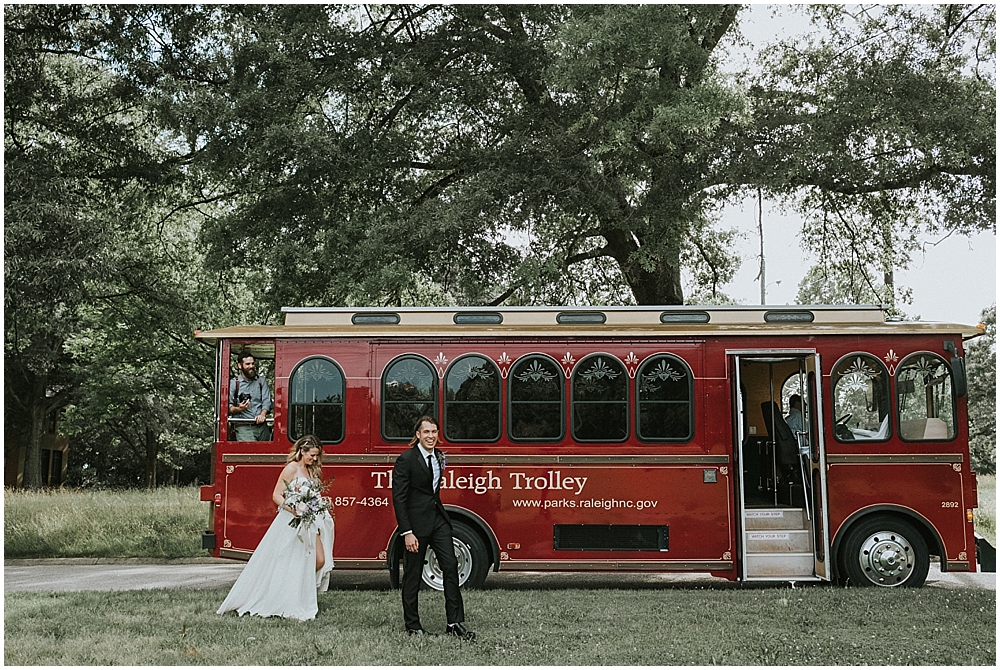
(281, 577)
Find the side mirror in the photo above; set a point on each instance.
(959, 378)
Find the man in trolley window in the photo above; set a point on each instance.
(249, 402)
(423, 522)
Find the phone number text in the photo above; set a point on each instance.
(350, 501)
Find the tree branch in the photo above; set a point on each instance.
(391, 115)
(530, 82)
(587, 255)
(912, 180)
(696, 241)
(726, 19)
(506, 294)
(436, 188)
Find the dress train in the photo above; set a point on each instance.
(281, 579)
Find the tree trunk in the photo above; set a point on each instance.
(659, 286)
(662, 286)
(152, 448)
(37, 391)
(32, 478)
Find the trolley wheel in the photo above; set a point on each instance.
(884, 551)
(473, 560)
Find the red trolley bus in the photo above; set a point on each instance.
(621, 438)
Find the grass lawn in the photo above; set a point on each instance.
(62, 523)
(729, 625)
(986, 515)
(732, 625)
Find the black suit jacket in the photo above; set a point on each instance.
(413, 495)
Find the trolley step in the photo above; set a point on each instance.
(777, 518)
(778, 541)
(780, 566)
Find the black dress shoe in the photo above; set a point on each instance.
(459, 630)
(418, 631)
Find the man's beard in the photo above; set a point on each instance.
(250, 374)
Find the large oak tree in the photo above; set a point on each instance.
(415, 154)
(511, 153)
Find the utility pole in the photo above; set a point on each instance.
(763, 279)
(760, 228)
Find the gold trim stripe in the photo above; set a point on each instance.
(339, 564)
(361, 459)
(607, 566)
(598, 566)
(253, 458)
(606, 459)
(893, 458)
(359, 564)
(498, 459)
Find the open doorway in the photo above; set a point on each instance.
(781, 476)
(774, 406)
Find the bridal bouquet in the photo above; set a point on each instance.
(305, 497)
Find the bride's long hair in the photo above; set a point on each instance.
(302, 445)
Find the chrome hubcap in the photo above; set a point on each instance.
(887, 559)
(432, 574)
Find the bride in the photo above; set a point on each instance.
(290, 565)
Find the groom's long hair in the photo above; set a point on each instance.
(416, 428)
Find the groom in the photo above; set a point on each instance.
(416, 497)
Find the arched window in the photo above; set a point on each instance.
(600, 400)
(316, 406)
(794, 384)
(409, 391)
(925, 398)
(860, 399)
(535, 394)
(472, 400)
(664, 392)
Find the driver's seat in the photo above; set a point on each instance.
(785, 444)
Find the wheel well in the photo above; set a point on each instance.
(926, 530)
(477, 523)
(394, 548)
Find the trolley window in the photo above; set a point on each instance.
(409, 391)
(926, 398)
(535, 394)
(472, 401)
(860, 399)
(600, 400)
(316, 405)
(664, 392)
(254, 387)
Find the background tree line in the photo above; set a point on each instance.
(177, 167)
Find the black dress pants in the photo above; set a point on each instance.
(440, 540)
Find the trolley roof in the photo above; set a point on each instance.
(642, 321)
